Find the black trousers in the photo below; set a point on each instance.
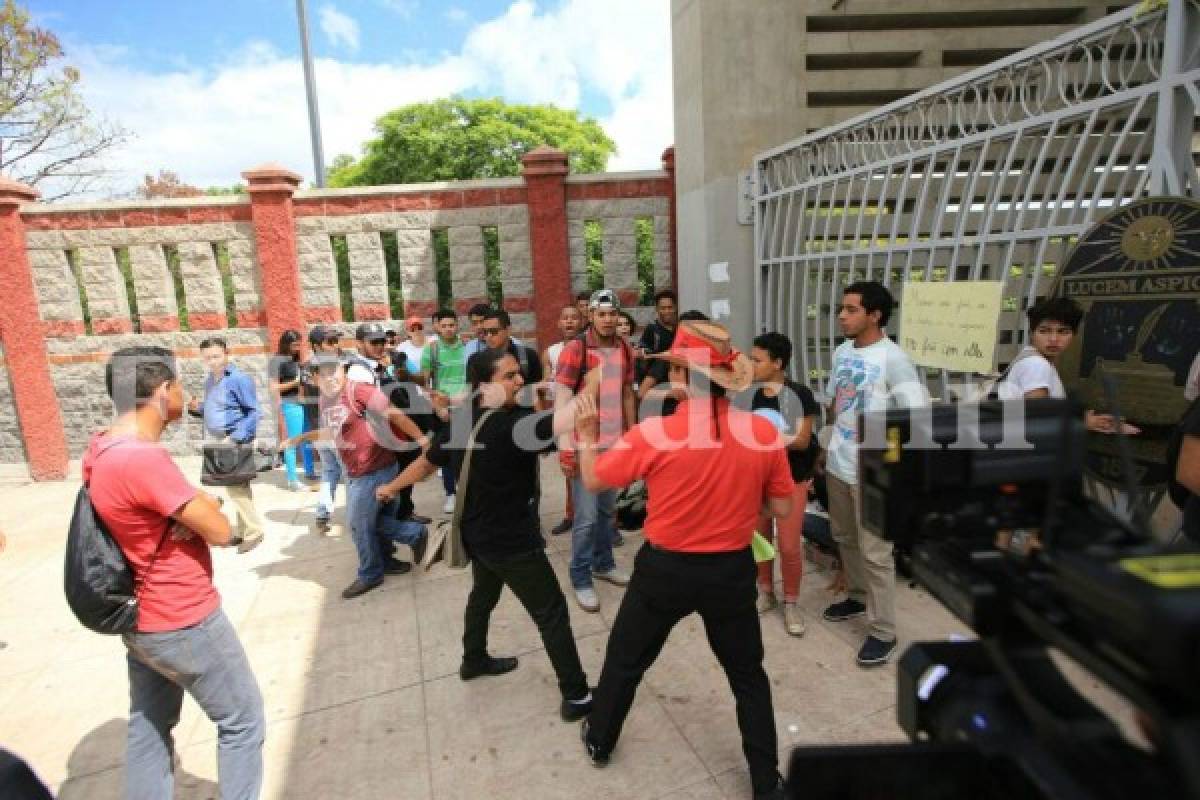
(532, 580)
(665, 588)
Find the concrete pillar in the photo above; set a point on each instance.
(739, 88)
(545, 170)
(668, 165)
(271, 187)
(25, 344)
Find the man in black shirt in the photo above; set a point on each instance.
(495, 330)
(500, 524)
(657, 338)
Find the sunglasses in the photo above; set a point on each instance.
(416, 327)
(491, 331)
(376, 341)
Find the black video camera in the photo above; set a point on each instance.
(987, 501)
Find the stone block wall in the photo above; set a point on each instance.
(109, 275)
(617, 202)
(12, 448)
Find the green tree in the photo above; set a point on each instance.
(48, 138)
(459, 139)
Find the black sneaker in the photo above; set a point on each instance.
(597, 756)
(360, 587)
(394, 566)
(575, 710)
(322, 526)
(493, 666)
(562, 527)
(418, 548)
(847, 609)
(875, 652)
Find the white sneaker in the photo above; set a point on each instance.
(616, 576)
(766, 601)
(587, 599)
(793, 622)
(448, 506)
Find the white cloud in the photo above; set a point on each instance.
(457, 15)
(620, 49)
(340, 28)
(210, 123)
(405, 8)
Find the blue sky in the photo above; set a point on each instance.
(208, 89)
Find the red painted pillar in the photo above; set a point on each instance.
(271, 187)
(668, 163)
(25, 345)
(545, 170)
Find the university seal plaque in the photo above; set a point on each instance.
(1137, 276)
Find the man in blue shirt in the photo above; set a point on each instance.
(230, 412)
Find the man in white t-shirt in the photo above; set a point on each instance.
(870, 373)
(414, 345)
(1033, 373)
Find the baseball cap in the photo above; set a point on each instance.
(604, 297)
(370, 331)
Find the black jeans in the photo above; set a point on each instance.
(665, 588)
(532, 580)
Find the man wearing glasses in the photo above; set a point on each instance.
(495, 331)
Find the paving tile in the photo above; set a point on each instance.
(516, 746)
(440, 605)
(352, 650)
(371, 748)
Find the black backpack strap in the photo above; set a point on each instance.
(433, 364)
(140, 580)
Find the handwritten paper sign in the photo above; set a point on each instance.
(951, 325)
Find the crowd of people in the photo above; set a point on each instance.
(725, 444)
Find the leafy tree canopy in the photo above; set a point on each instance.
(460, 139)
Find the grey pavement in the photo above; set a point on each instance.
(363, 697)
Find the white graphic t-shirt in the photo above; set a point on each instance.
(865, 379)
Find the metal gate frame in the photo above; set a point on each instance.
(991, 175)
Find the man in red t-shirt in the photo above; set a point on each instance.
(183, 640)
(368, 431)
(708, 469)
(594, 529)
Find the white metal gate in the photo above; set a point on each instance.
(990, 176)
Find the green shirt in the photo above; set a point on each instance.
(450, 374)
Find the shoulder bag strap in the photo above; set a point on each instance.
(460, 499)
(140, 580)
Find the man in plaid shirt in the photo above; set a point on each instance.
(594, 529)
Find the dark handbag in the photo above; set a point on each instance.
(228, 464)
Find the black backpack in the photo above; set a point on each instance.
(99, 583)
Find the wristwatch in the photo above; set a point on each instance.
(235, 540)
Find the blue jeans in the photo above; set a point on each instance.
(592, 534)
(208, 662)
(331, 476)
(373, 527)
(293, 418)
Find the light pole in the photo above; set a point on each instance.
(310, 86)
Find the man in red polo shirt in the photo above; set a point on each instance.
(708, 469)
